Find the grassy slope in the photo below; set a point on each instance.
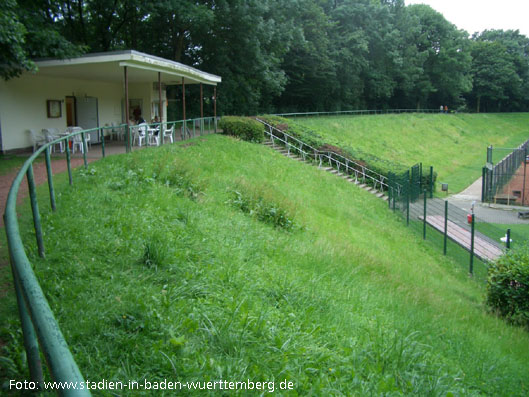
(352, 302)
(456, 145)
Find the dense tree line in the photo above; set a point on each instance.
(288, 55)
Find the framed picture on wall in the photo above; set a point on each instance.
(53, 107)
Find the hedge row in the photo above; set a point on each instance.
(244, 128)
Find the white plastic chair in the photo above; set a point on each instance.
(36, 140)
(77, 141)
(51, 134)
(116, 132)
(153, 138)
(168, 133)
(140, 133)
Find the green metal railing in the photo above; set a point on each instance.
(357, 112)
(359, 172)
(41, 331)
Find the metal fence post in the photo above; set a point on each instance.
(424, 217)
(471, 269)
(35, 210)
(431, 181)
(390, 187)
(508, 242)
(420, 177)
(408, 194)
(69, 163)
(30, 337)
(102, 142)
(50, 178)
(524, 173)
(85, 149)
(445, 237)
(127, 138)
(483, 183)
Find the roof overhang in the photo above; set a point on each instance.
(142, 68)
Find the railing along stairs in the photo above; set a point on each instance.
(359, 173)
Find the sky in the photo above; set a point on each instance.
(478, 15)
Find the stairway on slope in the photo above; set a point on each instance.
(286, 153)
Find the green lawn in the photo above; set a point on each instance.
(10, 163)
(166, 264)
(455, 144)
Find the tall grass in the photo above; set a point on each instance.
(152, 280)
(455, 144)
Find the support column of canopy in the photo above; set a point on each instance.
(201, 110)
(127, 116)
(184, 125)
(160, 107)
(215, 107)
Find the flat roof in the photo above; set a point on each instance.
(108, 66)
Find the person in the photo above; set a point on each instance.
(446, 109)
(136, 112)
(441, 109)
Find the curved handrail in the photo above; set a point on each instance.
(40, 328)
(34, 305)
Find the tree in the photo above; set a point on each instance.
(512, 87)
(45, 37)
(245, 45)
(308, 65)
(492, 73)
(446, 67)
(14, 58)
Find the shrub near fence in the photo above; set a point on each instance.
(508, 287)
(242, 127)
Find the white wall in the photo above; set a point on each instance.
(23, 105)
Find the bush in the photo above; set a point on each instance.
(508, 287)
(242, 127)
(265, 204)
